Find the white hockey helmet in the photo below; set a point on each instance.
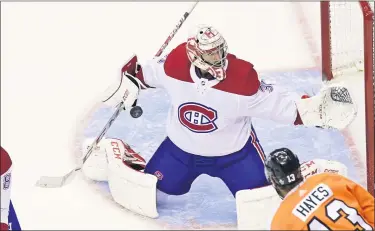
(207, 50)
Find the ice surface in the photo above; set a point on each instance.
(57, 57)
(210, 203)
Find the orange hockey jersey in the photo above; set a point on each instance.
(326, 202)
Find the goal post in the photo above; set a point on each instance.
(347, 44)
(368, 18)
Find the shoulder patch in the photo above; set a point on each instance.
(6, 183)
(162, 60)
(265, 86)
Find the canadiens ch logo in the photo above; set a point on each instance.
(197, 117)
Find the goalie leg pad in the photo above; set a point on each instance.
(317, 166)
(256, 207)
(130, 188)
(95, 167)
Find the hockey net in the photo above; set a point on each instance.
(347, 43)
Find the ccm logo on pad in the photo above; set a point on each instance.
(197, 117)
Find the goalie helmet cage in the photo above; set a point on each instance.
(347, 41)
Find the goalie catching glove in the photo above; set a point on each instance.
(116, 162)
(332, 107)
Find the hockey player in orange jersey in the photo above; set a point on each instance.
(323, 201)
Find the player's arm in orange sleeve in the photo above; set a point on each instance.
(365, 199)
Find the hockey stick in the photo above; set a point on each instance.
(59, 181)
(178, 26)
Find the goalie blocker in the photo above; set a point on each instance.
(115, 162)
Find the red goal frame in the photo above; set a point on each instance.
(368, 30)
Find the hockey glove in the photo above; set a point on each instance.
(332, 107)
(127, 89)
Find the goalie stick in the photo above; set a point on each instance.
(59, 181)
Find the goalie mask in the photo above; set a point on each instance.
(282, 169)
(207, 50)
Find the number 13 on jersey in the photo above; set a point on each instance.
(340, 214)
(321, 209)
